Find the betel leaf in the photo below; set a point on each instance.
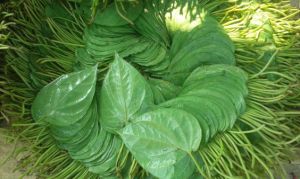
(124, 94)
(166, 88)
(206, 44)
(115, 14)
(67, 98)
(160, 140)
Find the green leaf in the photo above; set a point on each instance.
(124, 94)
(167, 89)
(191, 105)
(151, 25)
(67, 99)
(114, 14)
(161, 140)
(206, 44)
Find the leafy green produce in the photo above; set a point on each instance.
(137, 92)
(196, 47)
(166, 89)
(80, 133)
(147, 38)
(160, 137)
(161, 121)
(124, 94)
(160, 141)
(67, 99)
(208, 95)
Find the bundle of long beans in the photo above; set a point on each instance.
(4, 35)
(266, 37)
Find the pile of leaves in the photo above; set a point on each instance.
(125, 90)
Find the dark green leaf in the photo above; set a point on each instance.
(124, 94)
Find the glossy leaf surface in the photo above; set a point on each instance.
(124, 94)
(67, 99)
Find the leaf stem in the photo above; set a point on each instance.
(197, 165)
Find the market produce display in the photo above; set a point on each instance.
(150, 89)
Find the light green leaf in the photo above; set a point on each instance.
(67, 99)
(124, 94)
(206, 44)
(161, 140)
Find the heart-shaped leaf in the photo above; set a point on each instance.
(161, 140)
(67, 99)
(124, 94)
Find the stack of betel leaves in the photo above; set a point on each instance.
(128, 90)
